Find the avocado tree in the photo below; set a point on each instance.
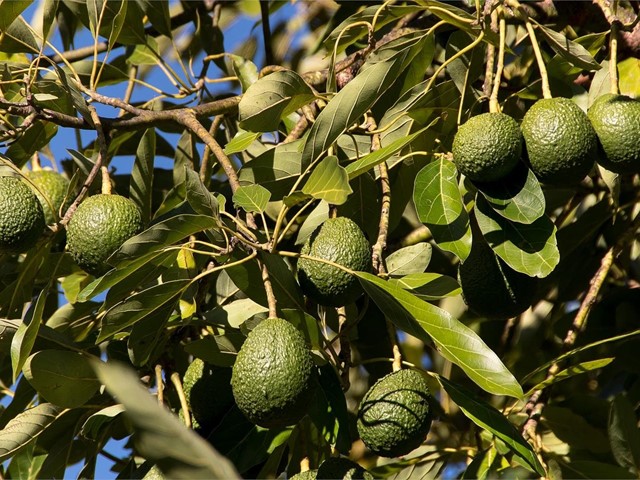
(284, 183)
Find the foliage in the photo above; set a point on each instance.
(235, 154)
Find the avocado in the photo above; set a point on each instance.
(273, 378)
(492, 288)
(341, 241)
(306, 475)
(616, 120)
(98, 227)
(560, 143)
(487, 147)
(395, 416)
(21, 217)
(208, 392)
(342, 468)
(54, 187)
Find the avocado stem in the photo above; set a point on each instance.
(106, 181)
(613, 58)
(494, 106)
(546, 90)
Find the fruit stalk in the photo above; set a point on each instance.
(494, 106)
(544, 77)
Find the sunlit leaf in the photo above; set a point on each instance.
(329, 182)
(407, 260)
(252, 198)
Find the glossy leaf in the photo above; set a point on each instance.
(61, 377)
(25, 337)
(454, 341)
(160, 436)
(429, 286)
(571, 51)
(252, 198)
(408, 260)
(530, 249)
(142, 174)
(487, 417)
(439, 206)
(329, 182)
(241, 142)
(272, 97)
(10, 10)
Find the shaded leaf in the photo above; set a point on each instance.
(574, 429)
(429, 286)
(571, 51)
(140, 188)
(596, 470)
(439, 205)
(199, 197)
(10, 10)
(329, 182)
(624, 435)
(454, 340)
(95, 424)
(572, 371)
(529, 249)
(408, 260)
(252, 198)
(219, 350)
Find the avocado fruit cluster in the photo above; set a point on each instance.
(273, 378)
(22, 219)
(98, 227)
(395, 414)
(616, 120)
(339, 240)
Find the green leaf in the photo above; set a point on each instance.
(272, 97)
(235, 313)
(10, 10)
(487, 417)
(252, 198)
(518, 197)
(329, 182)
(571, 51)
(140, 188)
(94, 425)
(26, 427)
(530, 249)
(245, 70)
(158, 13)
(574, 429)
(219, 350)
(571, 371)
(25, 337)
(241, 141)
(160, 437)
(26, 464)
(367, 162)
(407, 260)
(596, 470)
(146, 334)
(429, 286)
(163, 234)
(455, 341)
(624, 435)
(439, 205)
(61, 377)
(199, 197)
(139, 305)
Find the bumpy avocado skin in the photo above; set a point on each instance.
(343, 468)
(487, 147)
(490, 287)
(99, 226)
(306, 475)
(54, 187)
(560, 143)
(341, 241)
(21, 216)
(616, 120)
(395, 416)
(273, 378)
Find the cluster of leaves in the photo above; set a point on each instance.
(367, 138)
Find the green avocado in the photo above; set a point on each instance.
(341, 468)
(616, 120)
(395, 416)
(561, 145)
(490, 287)
(487, 147)
(340, 241)
(98, 227)
(306, 475)
(21, 217)
(54, 188)
(273, 378)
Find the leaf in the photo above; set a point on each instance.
(574, 429)
(25, 337)
(25, 428)
(571, 51)
(95, 424)
(219, 350)
(140, 188)
(455, 342)
(329, 182)
(162, 234)
(10, 10)
(439, 206)
(367, 162)
(624, 435)
(61, 377)
(235, 313)
(160, 436)
(241, 141)
(146, 334)
(139, 305)
(199, 197)
(530, 249)
(596, 470)
(354, 100)
(407, 260)
(272, 97)
(158, 13)
(252, 198)
(487, 417)
(429, 286)
(518, 197)
(571, 371)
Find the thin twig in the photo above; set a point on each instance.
(205, 165)
(159, 384)
(266, 32)
(175, 379)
